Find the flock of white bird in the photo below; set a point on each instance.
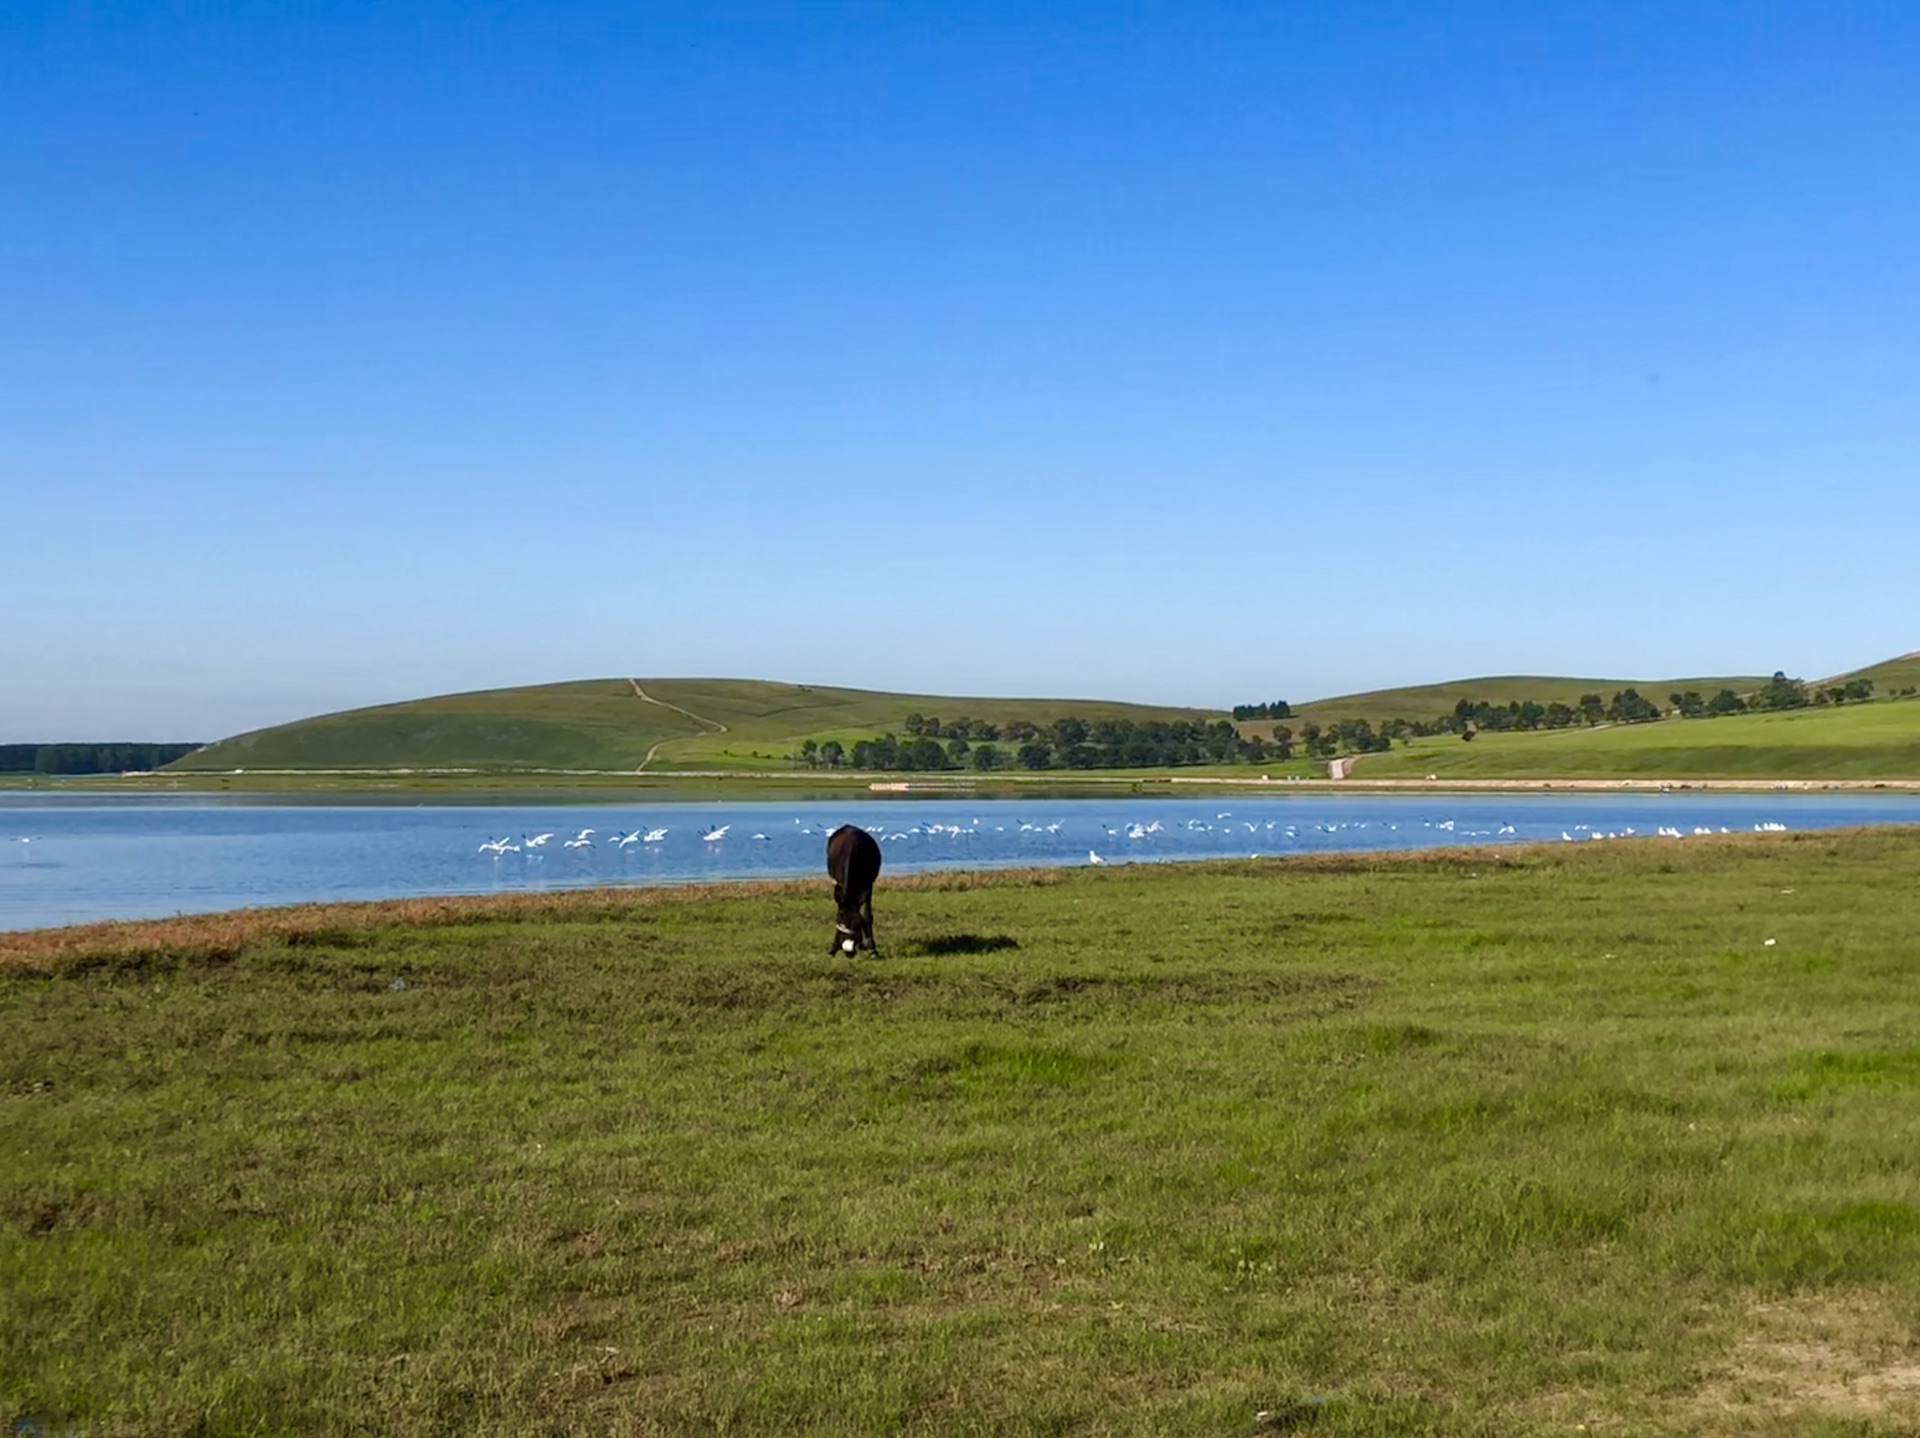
(1135, 831)
(533, 843)
(1665, 831)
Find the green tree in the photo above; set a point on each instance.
(1781, 692)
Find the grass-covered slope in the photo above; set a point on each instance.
(754, 726)
(1429, 701)
(1887, 676)
(604, 724)
(767, 721)
(1878, 740)
(593, 724)
(1613, 1138)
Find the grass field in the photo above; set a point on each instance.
(1880, 740)
(1617, 1135)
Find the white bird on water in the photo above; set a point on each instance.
(654, 836)
(626, 839)
(583, 842)
(497, 847)
(714, 836)
(536, 841)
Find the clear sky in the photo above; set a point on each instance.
(1183, 352)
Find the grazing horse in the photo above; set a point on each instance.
(853, 860)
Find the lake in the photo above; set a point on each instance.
(67, 859)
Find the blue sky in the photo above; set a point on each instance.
(1190, 353)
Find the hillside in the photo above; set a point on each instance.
(1428, 701)
(749, 726)
(1878, 740)
(604, 724)
(1888, 676)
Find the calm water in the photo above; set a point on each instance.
(66, 860)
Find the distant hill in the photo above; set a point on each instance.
(609, 724)
(748, 725)
(1888, 676)
(1427, 701)
(1877, 740)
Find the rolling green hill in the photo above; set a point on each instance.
(1428, 701)
(1887, 676)
(1879, 740)
(607, 724)
(749, 726)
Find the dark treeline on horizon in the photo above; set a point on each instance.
(1275, 709)
(88, 758)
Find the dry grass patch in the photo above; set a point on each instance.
(1847, 1356)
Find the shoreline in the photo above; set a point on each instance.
(217, 930)
(466, 785)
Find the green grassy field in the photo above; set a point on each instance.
(1880, 740)
(1608, 1138)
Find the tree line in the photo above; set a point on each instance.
(1069, 742)
(1625, 707)
(1630, 706)
(88, 758)
(1275, 709)
(1072, 742)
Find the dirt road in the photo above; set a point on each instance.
(712, 726)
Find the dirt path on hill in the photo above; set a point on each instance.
(712, 726)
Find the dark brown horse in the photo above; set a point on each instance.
(853, 860)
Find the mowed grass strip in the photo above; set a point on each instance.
(1471, 1143)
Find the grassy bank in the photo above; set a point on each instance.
(1619, 1135)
